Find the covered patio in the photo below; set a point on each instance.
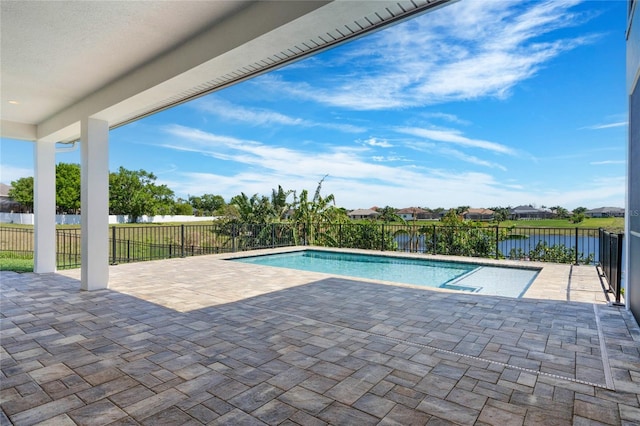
(207, 341)
(72, 71)
(203, 341)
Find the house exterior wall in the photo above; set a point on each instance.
(607, 213)
(477, 216)
(632, 233)
(530, 215)
(428, 216)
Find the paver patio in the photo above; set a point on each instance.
(206, 341)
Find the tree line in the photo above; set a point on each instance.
(133, 193)
(136, 193)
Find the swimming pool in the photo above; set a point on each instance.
(469, 277)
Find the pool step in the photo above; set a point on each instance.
(461, 288)
(462, 283)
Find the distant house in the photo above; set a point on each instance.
(478, 214)
(7, 204)
(429, 216)
(605, 212)
(529, 212)
(443, 213)
(416, 213)
(363, 214)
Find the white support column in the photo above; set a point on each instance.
(94, 146)
(44, 204)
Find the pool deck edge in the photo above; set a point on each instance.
(555, 281)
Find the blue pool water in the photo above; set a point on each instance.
(500, 281)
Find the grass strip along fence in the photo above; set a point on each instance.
(16, 249)
(141, 243)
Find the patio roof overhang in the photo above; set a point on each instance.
(72, 70)
(117, 62)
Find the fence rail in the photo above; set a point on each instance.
(141, 243)
(610, 260)
(16, 243)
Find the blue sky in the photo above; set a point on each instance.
(481, 103)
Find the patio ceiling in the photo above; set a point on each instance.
(119, 61)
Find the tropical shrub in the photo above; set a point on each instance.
(558, 253)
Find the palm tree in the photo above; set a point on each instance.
(561, 212)
(319, 209)
(279, 202)
(500, 214)
(388, 214)
(257, 209)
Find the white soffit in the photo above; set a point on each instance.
(119, 61)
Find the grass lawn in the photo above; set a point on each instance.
(608, 223)
(16, 265)
(615, 224)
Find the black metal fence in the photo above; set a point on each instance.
(561, 245)
(140, 243)
(132, 244)
(16, 243)
(68, 245)
(610, 260)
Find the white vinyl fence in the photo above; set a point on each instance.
(74, 219)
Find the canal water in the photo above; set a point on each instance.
(586, 245)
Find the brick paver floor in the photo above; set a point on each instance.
(207, 341)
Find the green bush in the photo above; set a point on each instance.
(558, 253)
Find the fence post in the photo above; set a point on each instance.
(600, 245)
(64, 248)
(182, 240)
(382, 238)
(610, 264)
(576, 245)
(435, 240)
(273, 235)
(497, 241)
(61, 239)
(233, 238)
(619, 268)
(113, 245)
(340, 235)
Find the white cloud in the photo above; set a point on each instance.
(467, 50)
(471, 159)
(255, 116)
(604, 162)
(455, 137)
(360, 181)
(380, 143)
(608, 125)
(264, 117)
(454, 188)
(608, 191)
(388, 159)
(172, 168)
(451, 118)
(12, 173)
(336, 161)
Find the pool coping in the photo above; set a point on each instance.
(554, 281)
